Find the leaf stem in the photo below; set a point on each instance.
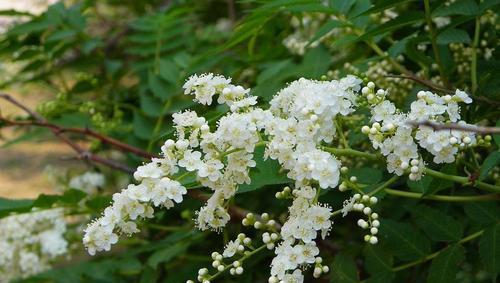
(442, 197)
(384, 185)
(243, 258)
(473, 67)
(462, 180)
(433, 255)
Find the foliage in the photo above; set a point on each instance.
(117, 68)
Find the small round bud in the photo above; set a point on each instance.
(245, 222)
(265, 216)
(370, 85)
(374, 215)
(232, 271)
(365, 198)
(414, 169)
(326, 269)
(214, 255)
(247, 241)
(414, 162)
(215, 263)
(278, 195)
(453, 140)
(342, 187)
(376, 223)
(203, 271)
(250, 216)
(370, 97)
(373, 200)
(412, 177)
(274, 236)
(365, 90)
(365, 129)
(376, 125)
(447, 98)
(487, 138)
(357, 196)
(390, 126)
(236, 263)
(421, 94)
(318, 260)
(270, 246)
(271, 222)
(367, 210)
(257, 225)
(373, 240)
(205, 128)
(467, 140)
(353, 179)
(273, 279)
(380, 92)
(367, 238)
(374, 230)
(314, 117)
(241, 248)
(220, 267)
(344, 169)
(373, 131)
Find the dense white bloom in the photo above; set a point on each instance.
(30, 242)
(87, 182)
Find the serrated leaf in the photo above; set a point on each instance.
(344, 270)
(367, 175)
(453, 35)
(377, 260)
(383, 5)
(167, 254)
(445, 266)
(158, 86)
(459, 7)
(399, 22)
(405, 241)
(489, 163)
(489, 249)
(420, 186)
(484, 213)
(437, 225)
(325, 29)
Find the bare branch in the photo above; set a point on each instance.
(82, 153)
(455, 126)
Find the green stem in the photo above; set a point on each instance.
(431, 256)
(473, 67)
(158, 124)
(243, 258)
(433, 37)
(442, 197)
(384, 185)
(340, 131)
(462, 180)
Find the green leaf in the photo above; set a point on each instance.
(453, 35)
(489, 249)
(437, 225)
(383, 5)
(315, 63)
(489, 163)
(14, 205)
(405, 241)
(169, 71)
(444, 267)
(487, 4)
(342, 6)
(266, 172)
(167, 254)
(158, 86)
(150, 105)
(484, 213)
(61, 35)
(344, 270)
(377, 260)
(459, 7)
(143, 127)
(420, 186)
(367, 175)
(399, 22)
(326, 28)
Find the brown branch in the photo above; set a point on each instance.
(82, 153)
(455, 126)
(84, 131)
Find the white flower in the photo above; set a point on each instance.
(231, 248)
(149, 170)
(462, 96)
(191, 160)
(383, 111)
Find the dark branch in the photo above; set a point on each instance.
(455, 126)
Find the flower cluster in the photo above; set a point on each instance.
(298, 249)
(30, 242)
(88, 182)
(394, 133)
(221, 159)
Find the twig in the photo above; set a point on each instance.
(82, 153)
(455, 126)
(426, 83)
(84, 131)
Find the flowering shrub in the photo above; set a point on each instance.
(340, 141)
